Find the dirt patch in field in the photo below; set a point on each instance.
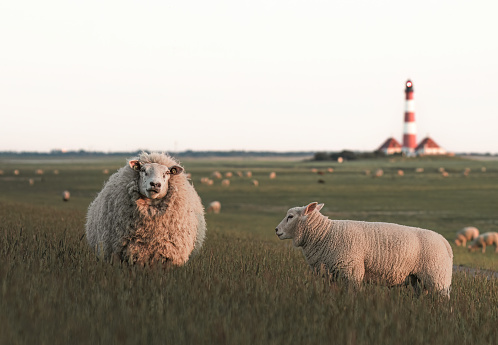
(475, 271)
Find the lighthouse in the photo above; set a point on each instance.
(409, 129)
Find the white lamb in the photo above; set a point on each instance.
(147, 212)
(382, 253)
(66, 195)
(483, 240)
(466, 234)
(214, 206)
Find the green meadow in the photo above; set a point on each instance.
(246, 286)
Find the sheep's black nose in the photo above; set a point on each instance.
(158, 184)
(276, 229)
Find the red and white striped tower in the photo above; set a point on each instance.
(409, 129)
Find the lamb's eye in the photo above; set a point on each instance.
(290, 217)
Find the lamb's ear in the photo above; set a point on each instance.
(175, 170)
(310, 208)
(135, 165)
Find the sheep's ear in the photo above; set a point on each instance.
(175, 170)
(135, 165)
(310, 208)
(319, 207)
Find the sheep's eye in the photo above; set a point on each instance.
(290, 217)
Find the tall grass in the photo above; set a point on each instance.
(245, 287)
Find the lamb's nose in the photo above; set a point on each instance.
(157, 184)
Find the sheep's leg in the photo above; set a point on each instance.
(416, 284)
(484, 247)
(354, 274)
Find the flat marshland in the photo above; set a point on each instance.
(246, 286)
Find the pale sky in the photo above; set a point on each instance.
(246, 75)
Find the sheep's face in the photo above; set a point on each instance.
(287, 227)
(154, 178)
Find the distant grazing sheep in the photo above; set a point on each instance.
(216, 174)
(228, 174)
(39, 172)
(466, 234)
(214, 207)
(16, 172)
(445, 174)
(1, 172)
(105, 171)
(248, 174)
(483, 169)
(225, 182)
(382, 253)
(66, 195)
(483, 240)
(147, 212)
(379, 173)
(401, 173)
(273, 175)
(255, 183)
(56, 172)
(419, 170)
(31, 181)
(330, 170)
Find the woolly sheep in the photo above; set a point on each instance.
(225, 182)
(216, 174)
(466, 234)
(248, 174)
(255, 183)
(483, 240)
(379, 173)
(385, 253)
(273, 175)
(66, 195)
(147, 212)
(214, 206)
(228, 174)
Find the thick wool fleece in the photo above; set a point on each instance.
(384, 253)
(120, 221)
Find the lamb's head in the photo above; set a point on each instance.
(287, 227)
(154, 178)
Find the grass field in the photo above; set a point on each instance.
(246, 286)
